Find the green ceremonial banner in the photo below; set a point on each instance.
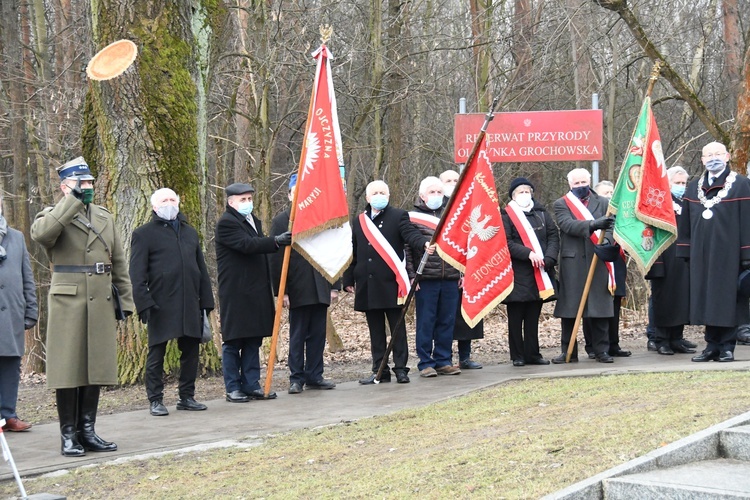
(645, 224)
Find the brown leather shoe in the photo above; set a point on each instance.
(16, 425)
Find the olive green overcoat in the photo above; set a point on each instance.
(81, 327)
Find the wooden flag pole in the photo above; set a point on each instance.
(438, 229)
(325, 32)
(587, 287)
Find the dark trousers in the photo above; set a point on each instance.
(668, 336)
(10, 376)
(240, 362)
(720, 338)
(436, 317)
(189, 349)
(523, 330)
(376, 323)
(614, 327)
(307, 341)
(464, 350)
(597, 330)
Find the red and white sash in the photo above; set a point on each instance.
(426, 220)
(580, 212)
(528, 236)
(386, 252)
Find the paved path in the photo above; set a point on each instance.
(138, 433)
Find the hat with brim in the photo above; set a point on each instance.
(607, 253)
(743, 283)
(238, 188)
(77, 169)
(112, 60)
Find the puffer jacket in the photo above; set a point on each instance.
(435, 268)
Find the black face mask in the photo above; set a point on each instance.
(581, 192)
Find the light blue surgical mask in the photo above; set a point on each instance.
(677, 190)
(168, 212)
(434, 201)
(715, 165)
(379, 201)
(245, 208)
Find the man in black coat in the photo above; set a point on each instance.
(245, 292)
(172, 291)
(713, 236)
(308, 295)
(377, 290)
(579, 214)
(670, 283)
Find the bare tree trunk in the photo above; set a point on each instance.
(481, 27)
(740, 146)
(146, 129)
(398, 12)
(733, 44)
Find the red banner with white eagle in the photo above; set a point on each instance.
(321, 231)
(473, 241)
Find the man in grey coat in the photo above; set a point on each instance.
(18, 312)
(580, 214)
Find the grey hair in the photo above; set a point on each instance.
(676, 170)
(374, 184)
(427, 182)
(160, 192)
(578, 171)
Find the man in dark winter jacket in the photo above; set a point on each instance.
(437, 292)
(172, 292)
(308, 295)
(378, 271)
(245, 292)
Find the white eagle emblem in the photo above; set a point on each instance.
(312, 150)
(479, 229)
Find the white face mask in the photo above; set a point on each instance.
(448, 189)
(168, 212)
(523, 200)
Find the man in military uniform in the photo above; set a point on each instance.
(87, 258)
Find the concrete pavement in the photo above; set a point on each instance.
(137, 433)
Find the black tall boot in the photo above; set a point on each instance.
(88, 402)
(67, 406)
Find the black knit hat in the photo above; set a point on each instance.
(518, 181)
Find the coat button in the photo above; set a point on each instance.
(369, 260)
(2, 308)
(91, 298)
(2, 286)
(90, 274)
(369, 275)
(88, 250)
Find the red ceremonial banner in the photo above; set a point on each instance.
(654, 199)
(533, 136)
(473, 241)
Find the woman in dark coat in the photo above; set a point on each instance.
(525, 301)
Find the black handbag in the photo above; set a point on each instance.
(119, 313)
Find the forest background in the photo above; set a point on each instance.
(220, 92)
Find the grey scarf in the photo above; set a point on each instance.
(3, 232)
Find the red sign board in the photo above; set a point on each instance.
(533, 136)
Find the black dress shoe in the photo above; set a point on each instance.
(592, 355)
(707, 355)
(726, 356)
(604, 358)
(402, 378)
(681, 348)
(651, 346)
(688, 344)
(295, 388)
(158, 409)
(620, 353)
(560, 360)
(518, 362)
(321, 384)
(259, 394)
(538, 361)
(237, 397)
(371, 379)
(665, 350)
(190, 404)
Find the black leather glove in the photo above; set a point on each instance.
(745, 264)
(145, 315)
(76, 191)
(601, 223)
(29, 323)
(549, 263)
(284, 239)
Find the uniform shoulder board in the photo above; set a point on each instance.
(104, 209)
(47, 209)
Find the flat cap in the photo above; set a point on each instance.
(238, 188)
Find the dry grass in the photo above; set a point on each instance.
(519, 440)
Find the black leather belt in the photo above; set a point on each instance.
(98, 268)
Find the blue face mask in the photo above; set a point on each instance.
(434, 202)
(581, 191)
(677, 190)
(379, 201)
(715, 165)
(245, 208)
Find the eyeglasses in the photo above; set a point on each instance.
(714, 155)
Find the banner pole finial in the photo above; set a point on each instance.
(326, 31)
